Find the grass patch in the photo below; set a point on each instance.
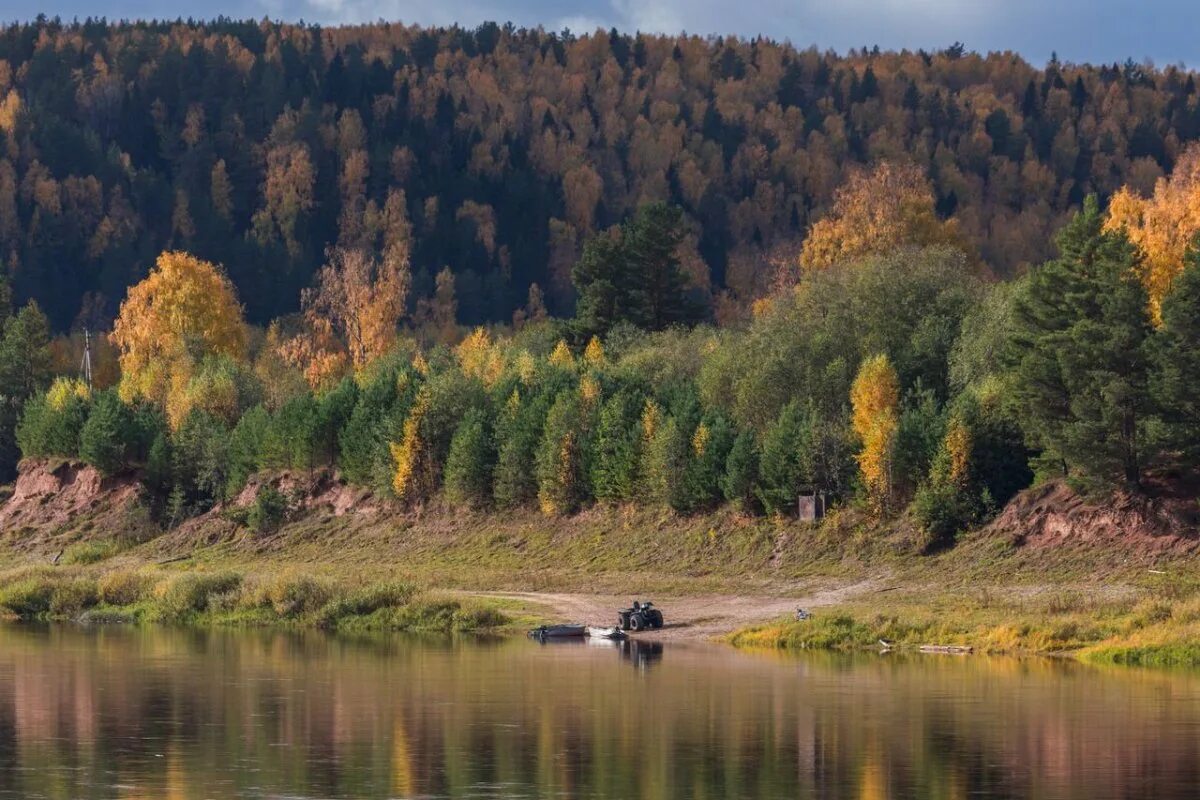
(225, 597)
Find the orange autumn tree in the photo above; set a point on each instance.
(351, 314)
(1162, 225)
(875, 400)
(184, 312)
(874, 212)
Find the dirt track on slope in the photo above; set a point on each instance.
(687, 617)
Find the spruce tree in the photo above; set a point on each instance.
(468, 474)
(1080, 355)
(1175, 380)
(741, 471)
(107, 435)
(615, 460)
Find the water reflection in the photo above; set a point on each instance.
(182, 714)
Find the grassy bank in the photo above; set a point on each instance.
(1154, 622)
(227, 597)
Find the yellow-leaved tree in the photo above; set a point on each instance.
(184, 311)
(875, 212)
(875, 400)
(1162, 225)
(354, 309)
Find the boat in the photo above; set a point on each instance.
(607, 633)
(572, 631)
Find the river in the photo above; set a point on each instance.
(178, 713)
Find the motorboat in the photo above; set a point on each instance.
(607, 633)
(571, 631)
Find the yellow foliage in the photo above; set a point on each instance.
(316, 353)
(63, 389)
(360, 299)
(589, 391)
(420, 364)
(651, 418)
(561, 357)
(184, 310)
(1163, 225)
(408, 453)
(700, 440)
(526, 366)
(875, 399)
(958, 446)
(480, 358)
(593, 354)
(877, 211)
(10, 111)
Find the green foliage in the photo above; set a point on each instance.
(293, 439)
(614, 466)
(711, 442)
(184, 595)
(741, 472)
(786, 461)
(807, 344)
(199, 464)
(110, 435)
(634, 275)
(518, 433)
(1081, 357)
(468, 476)
(559, 462)
(246, 442)
(50, 426)
(1175, 379)
(922, 426)
(268, 510)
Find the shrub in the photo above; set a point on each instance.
(122, 587)
(182, 595)
(105, 438)
(268, 511)
(365, 601)
(72, 596)
(28, 597)
(293, 595)
(89, 552)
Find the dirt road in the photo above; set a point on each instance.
(687, 617)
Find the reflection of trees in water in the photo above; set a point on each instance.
(301, 713)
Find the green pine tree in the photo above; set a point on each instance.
(1175, 380)
(1080, 357)
(468, 474)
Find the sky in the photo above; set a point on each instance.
(1164, 31)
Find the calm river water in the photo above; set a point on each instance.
(164, 713)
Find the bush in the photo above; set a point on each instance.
(268, 510)
(942, 510)
(89, 552)
(365, 601)
(294, 595)
(122, 588)
(72, 596)
(28, 597)
(187, 594)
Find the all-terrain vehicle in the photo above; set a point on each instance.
(639, 617)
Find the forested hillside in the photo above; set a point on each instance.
(497, 152)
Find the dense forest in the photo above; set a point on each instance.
(258, 145)
(511, 268)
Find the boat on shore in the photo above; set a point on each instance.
(571, 631)
(613, 634)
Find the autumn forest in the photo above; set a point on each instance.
(508, 267)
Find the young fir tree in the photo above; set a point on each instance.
(559, 458)
(614, 472)
(246, 443)
(468, 474)
(108, 435)
(785, 461)
(740, 480)
(711, 443)
(1080, 355)
(1175, 379)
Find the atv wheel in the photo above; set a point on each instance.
(636, 623)
(656, 619)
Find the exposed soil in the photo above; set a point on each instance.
(1054, 515)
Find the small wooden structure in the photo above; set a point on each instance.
(810, 505)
